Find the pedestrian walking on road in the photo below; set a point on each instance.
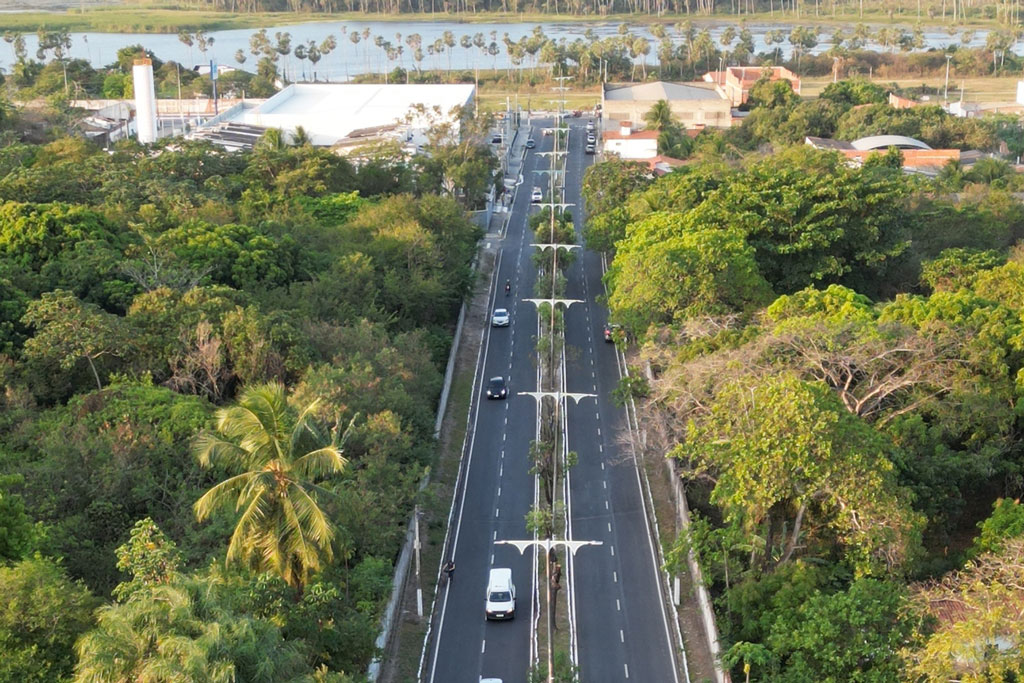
(449, 570)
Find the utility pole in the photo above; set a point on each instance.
(550, 543)
(945, 90)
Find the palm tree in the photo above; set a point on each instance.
(279, 453)
(660, 117)
(184, 631)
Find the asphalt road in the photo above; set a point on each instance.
(620, 621)
(622, 625)
(499, 489)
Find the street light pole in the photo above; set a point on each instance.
(945, 91)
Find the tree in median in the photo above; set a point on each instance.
(279, 453)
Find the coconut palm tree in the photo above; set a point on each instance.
(184, 631)
(660, 117)
(279, 454)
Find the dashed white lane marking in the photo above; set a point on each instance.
(618, 605)
(504, 436)
(609, 528)
(626, 667)
(506, 418)
(494, 537)
(597, 415)
(499, 495)
(605, 483)
(615, 577)
(501, 469)
(622, 636)
(496, 511)
(613, 550)
(599, 431)
(483, 646)
(600, 448)
(606, 505)
(602, 466)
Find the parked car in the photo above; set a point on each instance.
(611, 331)
(536, 196)
(499, 318)
(591, 138)
(590, 124)
(497, 388)
(590, 148)
(496, 138)
(530, 144)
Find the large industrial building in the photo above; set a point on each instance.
(342, 115)
(693, 105)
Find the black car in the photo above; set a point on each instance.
(530, 144)
(496, 388)
(610, 332)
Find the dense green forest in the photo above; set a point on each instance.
(833, 357)
(220, 374)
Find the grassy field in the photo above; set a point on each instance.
(145, 16)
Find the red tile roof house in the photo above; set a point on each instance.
(631, 144)
(735, 82)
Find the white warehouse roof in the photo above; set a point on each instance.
(331, 111)
(886, 141)
(660, 90)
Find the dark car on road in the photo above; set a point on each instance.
(496, 388)
(611, 332)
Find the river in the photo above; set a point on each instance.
(351, 59)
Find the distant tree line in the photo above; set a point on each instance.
(954, 10)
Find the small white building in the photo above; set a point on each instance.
(631, 144)
(339, 114)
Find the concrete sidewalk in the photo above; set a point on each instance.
(513, 179)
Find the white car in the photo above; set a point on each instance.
(501, 595)
(536, 197)
(591, 138)
(590, 125)
(499, 318)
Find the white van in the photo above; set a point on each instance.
(501, 595)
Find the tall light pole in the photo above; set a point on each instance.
(549, 544)
(945, 90)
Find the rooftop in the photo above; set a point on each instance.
(330, 112)
(658, 90)
(634, 135)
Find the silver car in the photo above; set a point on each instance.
(500, 317)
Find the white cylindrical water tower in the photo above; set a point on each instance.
(145, 100)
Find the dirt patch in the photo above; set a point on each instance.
(400, 662)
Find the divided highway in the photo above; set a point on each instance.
(621, 622)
